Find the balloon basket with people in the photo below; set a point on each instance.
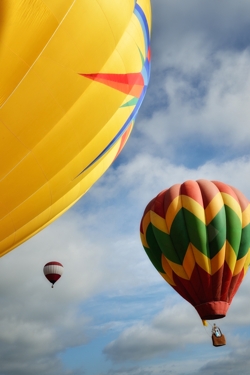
(218, 338)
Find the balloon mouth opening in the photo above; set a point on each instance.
(213, 317)
(212, 310)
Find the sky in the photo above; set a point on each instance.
(111, 313)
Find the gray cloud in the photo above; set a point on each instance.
(199, 90)
(221, 26)
(177, 329)
(41, 322)
(237, 361)
(211, 112)
(167, 332)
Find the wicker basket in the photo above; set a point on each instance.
(218, 340)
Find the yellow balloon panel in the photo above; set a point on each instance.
(73, 77)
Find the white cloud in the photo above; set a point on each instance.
(102, 255)
(213, 109)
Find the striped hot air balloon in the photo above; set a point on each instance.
(53, 271)
(197, 235)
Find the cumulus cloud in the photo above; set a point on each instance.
(37, 322)
(102, 254)
(167, 332)
(178, 25)
(176, 331)
(236, 361)
(211, 111)
(199, 89)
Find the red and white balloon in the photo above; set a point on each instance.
(53, 271)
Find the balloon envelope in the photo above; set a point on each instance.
(73, 76)
(197, 235)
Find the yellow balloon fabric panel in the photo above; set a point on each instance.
(73, 76)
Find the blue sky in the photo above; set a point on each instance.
(111, 313)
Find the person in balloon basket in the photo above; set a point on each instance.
(218, 338)
(216, 330)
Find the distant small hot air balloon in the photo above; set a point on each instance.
(53, 271)
(197, 235)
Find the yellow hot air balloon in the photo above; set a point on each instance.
(73, 76)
